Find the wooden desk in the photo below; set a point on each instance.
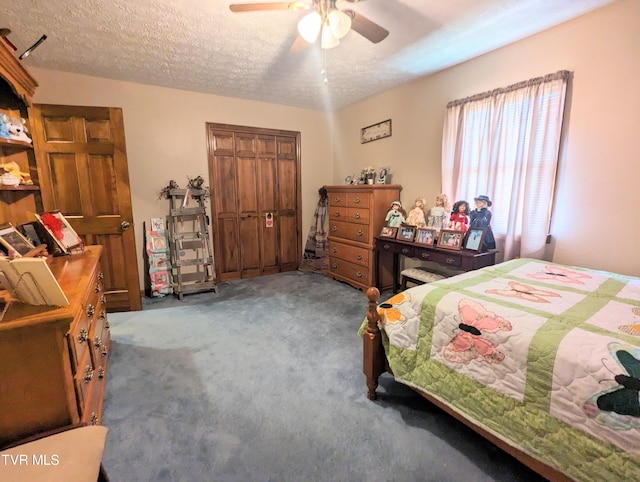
(389, 250)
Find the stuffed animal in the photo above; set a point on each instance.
(17, 128)
(4, 132)
(14, 169)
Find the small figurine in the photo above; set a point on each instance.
(480, 217)
(439, 214)
(416, 215)
(396, 215)
(459, 219)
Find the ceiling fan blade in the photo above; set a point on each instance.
(365, 27)
(259, 7)
(298, 45)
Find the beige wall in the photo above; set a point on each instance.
(166, 138)
(597, 194)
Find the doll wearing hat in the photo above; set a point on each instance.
(396, 215)
(480, 217)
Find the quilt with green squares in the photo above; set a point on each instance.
(543, 356)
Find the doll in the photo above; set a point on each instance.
(480, 217)
(459, 219)
(438, 215)
(416, 215)
(396, 215)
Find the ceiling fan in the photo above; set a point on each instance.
(325, 21)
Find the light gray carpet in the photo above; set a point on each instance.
(263, 381)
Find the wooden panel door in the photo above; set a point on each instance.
(83, 172)
(254, 176)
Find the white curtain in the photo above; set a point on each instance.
(505, 144)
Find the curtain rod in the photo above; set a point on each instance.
(561, 74)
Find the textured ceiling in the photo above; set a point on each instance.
(200, 45)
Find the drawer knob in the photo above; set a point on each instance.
(360, 233)
(405, 250)
(424, 255)
(357, 200)
(98, 288)
(94, 418)
(337, 200)
(105, 352)
(88, 374)
(335, 250)
(357, 216)
(97, 341)
(337, 215)
(104, 299)
(100, 275)
(83, 336)
(101, 373)
(334, 228)
(358, 256)
(334, 265)
(103, 314)
(106, 324)
(386, 246)
(90, 310)
(359, 274)
(450, 260)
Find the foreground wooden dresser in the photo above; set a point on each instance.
(53, 361)
(356, 216)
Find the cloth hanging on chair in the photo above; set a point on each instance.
(316, 251)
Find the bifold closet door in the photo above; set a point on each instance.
(254, 176)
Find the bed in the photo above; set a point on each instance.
(541, 359)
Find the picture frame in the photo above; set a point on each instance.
(384, 175)
(426, 236)
(12, 240)
(406, 233)
(375, 131)
(38, 235)
(61, 231)
(450, 239)
(474, 238)
(388, 232)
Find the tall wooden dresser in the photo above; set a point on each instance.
(53, 361)
(356, 216)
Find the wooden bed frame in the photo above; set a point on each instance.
(375, 364)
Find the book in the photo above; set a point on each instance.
(31, 281)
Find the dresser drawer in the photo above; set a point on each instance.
(358, 200)
(405, 250)
(355, 232)
(83, 379)
(358, 215)
(350, 253)
(454, 259)
(338, 198)
(351, 271)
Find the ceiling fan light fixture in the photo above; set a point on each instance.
(328, 40)
(309, 27)
(339, 22)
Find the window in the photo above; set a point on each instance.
(505, 144)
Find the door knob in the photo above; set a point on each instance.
(124, 225)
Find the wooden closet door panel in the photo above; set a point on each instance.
(227, 249)
(288, 189)
(249, 247)
(268, 204)
(83, 172)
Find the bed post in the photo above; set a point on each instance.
(373, 361)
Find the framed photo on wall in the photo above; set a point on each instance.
(425, 236)
(473, 239)
(450, 239)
